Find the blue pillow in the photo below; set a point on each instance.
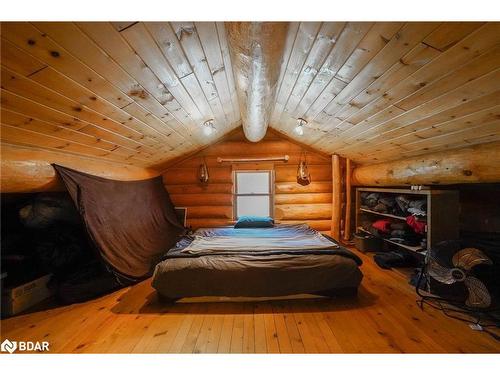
(254, 222)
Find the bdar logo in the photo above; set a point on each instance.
(24, 346)
(8, 346)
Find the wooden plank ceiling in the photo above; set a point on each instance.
(383, 91)
(134, 92)
(137, 93)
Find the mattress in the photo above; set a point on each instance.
(278, 271)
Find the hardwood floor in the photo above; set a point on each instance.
(383, 318)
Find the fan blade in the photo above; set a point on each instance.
(478, 293)
(440, 273)
(469, 257)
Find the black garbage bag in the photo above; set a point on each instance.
(45, 210)
(90, 281)
(60, 249)
(394, 259)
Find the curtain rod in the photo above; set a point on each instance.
(253, 160)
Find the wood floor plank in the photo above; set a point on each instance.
(226, 332)
(304, 330)
(238, 331)
(184, 329)
(215, 330)
(260, 329)
(284, 342)
(310, 327)
(293, 331)
(330, 339)
(202, 338)
(270, 328)
(159, 331)
(248, 330)
(194, 331)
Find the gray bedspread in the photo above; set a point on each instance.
(257, 272)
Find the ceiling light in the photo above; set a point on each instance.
(299, 129)
(208, 127)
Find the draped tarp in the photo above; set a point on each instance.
(132, 223)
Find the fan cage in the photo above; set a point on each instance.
(486, 317)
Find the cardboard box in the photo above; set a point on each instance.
(20, 298)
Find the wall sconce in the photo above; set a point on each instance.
(208, 127)
(299, 129)
(203, 172)
(303, 175)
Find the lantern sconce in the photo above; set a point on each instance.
(303, 175)
(203, 175)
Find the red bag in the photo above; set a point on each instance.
(418, 226)
(383, 225)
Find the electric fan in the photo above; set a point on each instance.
(474, 293)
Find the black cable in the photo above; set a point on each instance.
(477, 315)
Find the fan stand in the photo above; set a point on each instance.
(483, 319)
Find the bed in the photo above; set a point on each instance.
(256, 262)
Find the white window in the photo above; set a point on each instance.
(253, 193)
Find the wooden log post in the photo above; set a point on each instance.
(336, 197)
(476, 164)
(348, 208)
(29, 170)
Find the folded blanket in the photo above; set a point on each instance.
(279, 230)
(203, 245)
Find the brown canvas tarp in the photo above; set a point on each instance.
(132, 223)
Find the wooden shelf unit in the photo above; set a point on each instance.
(442, 214)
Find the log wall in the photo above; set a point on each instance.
(212, 204)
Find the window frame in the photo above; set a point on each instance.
(270, 173)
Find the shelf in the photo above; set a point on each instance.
(399, 191)
(415, 249)
(382, 214)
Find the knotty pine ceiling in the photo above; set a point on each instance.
(138, 92)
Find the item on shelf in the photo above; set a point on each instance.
(402, 233)
(423, 243)
(399, 226)
(389, 202)
(366, 242)
(382, 225)
(384, 204)
(417, 225)
(402, 204)
(408, 239)
(371, 200)
(398, 233)
(380, 207)
(418, 207)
